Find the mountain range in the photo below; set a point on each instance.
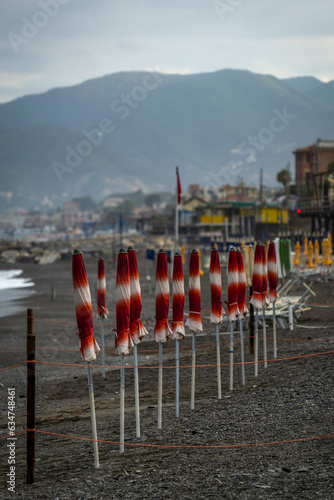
(128, 131)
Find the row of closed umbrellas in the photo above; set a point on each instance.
(242, 265)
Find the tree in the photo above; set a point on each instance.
(284, 177)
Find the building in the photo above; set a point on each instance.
(313, 159)
(241, 192)
(241, 219)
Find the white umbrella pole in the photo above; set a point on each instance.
(264, 338)
(193, 363)
(160, 387)
(219, 382)
(177, 378)
(135, 362)
(231, 355)
(122, 393)
(256, 347)
(92, 415)
(274, 331)
(242, 353)
(102, 349)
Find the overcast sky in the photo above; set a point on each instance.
(75, 40)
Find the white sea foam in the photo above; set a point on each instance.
(10, 279)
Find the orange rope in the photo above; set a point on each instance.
(16, 434)
(8, 367)
(182, 366)
(186, 446)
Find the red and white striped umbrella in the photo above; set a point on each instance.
(162, 331)
(178, 299)
(242, 286)
(256, 298)
(232, 286)
(194, 321)
(272, 272)
(123, 341)
(83, 308)
(265, 299)
(217, 310)
(137, 329)
(102, 311)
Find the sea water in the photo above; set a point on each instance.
(13, 288)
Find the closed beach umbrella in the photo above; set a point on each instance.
(88, 344)
(217, 310)
(232, 301)
(123, 341)
(178, 332)
(102, 311)
(265, 299)
(242, 290)
(242, 286)
(162, 331)
(137, 329)
(256, 298)
(272, 277)
(232, 286)
(83, 308)
(194, 321)
(272, 272)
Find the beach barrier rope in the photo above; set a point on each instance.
(168, 446)
(170, 367)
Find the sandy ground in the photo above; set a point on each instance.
(291, 399)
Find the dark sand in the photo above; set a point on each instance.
(289, 400)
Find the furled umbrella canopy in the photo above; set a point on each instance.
(232, 286)
(178, 298)
(217, 310)
(102, 311)
(242, 286)
(265, 299)
(83, 308)
(162, 331)
(256, 299)
(194, 321)
(272, 272)
(137, 329)
(123, 341)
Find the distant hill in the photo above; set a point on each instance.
(199, 122)
(304, 83)
(324, 95)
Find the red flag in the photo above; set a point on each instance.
(178, 183)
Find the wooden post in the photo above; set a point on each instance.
(53, 293)
(30, 398)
